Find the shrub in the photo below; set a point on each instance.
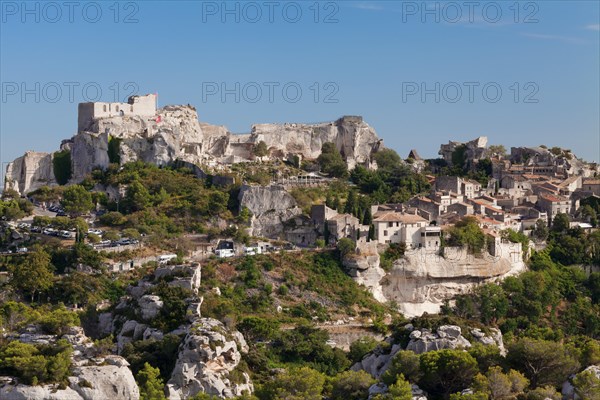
(61, 164)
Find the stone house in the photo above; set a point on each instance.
(592, 185)
(461, 209)
(553, 204)
(394, 227)
(346, 226)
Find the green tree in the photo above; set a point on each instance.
(150, 384)
(34, 274)
(137, 197)
(541, 231)
(467, 232)
(497, 150)
(296, 384)
(114, 150)
(560, 223)
(543, 362)
(401, 389)
(76, 200)
(331, 161)
(256, 328)
(260, 150)
(500, 386)
(387, 159)
(493, 303)
(405, 363)
(351, 206)
(447, 371)
(61, 165)
(543, 393)
(351, 385)
(587, 385)
(361, 347)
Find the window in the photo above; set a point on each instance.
(117, 108)
(104, 107)
(390, 224)
(385, 233)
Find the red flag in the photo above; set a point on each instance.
(158, 118)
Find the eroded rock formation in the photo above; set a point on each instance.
(93, 376)
(207, 359)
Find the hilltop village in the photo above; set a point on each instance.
(152, 243)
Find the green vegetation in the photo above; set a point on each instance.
(36, 364)
(549, 315)
(76, 200)
(260, 150)
(466, 233)
(392, 182)
(150, 384)
(33, 275)
(61, 163)
(114, 150)
(331, 161)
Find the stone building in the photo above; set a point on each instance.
(143, 106)
(592, 185)
(394, 227)
(553, 204)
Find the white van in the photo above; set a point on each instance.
(225, 253)
(165, 258)
(252, 250)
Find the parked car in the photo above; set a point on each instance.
(22, 250)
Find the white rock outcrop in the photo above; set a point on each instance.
(424, 340)
(353, 137)
(150, 306)
(206, 362)
(445, 337)
(271, 207)
(363, 267)
(30, 172)
(422, 280)
(93, 376)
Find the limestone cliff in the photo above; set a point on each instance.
(30, 172)
(174, 133)
(271, 207)
(353, 137)
(422, 280)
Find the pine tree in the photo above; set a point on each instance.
(368, 217)
(150, 384)
(351, 203)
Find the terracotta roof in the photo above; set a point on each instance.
(400, 217)
(553, 198)
(592, 182)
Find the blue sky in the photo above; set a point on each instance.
(373, 59)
